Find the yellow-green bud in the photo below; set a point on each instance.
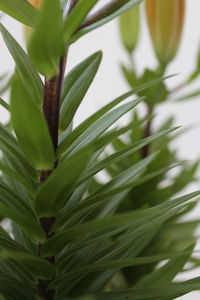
(129, 28)
(165, 20)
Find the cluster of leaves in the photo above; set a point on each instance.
(70, 236)
(173, 235)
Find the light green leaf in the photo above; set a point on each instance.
(26, 116)
(76, 17)
(20, 10)
(27, 73)
(46, 45)
(76, 84)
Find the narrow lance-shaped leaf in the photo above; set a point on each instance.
(46, 46)
(49, 200)
(26, 116)
(76, 84)
(111, 11)
(27, 73)
(20, 10)
(4, 104)
(65, 143)
(77, 16)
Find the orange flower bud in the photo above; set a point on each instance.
(35, 3)
(165, 19)
(129, 28)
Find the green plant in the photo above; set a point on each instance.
(173, 235)
(68, 240)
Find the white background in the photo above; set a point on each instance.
(109, 82)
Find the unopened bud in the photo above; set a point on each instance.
(129, 28)
(165, 20)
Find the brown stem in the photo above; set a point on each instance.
(147, 132)
(103, 12)
(51, 108)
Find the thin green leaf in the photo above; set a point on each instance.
(112, 11)
(28, 75)
(49, 200)
(64, 145)
(119, 264)
(101, 125)
(4, 104)
(20, 10)
(76, 17)
(13, 207)
(76, 84)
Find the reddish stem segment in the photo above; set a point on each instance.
(147, 133)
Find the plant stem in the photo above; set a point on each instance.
(147, 132)
(51, 107)
(51, 110)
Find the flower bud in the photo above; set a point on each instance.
(35, 3)
(129, 28)
(165, 20)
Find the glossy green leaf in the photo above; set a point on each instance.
(101, 125)
(64, 145)
(26, 115)
(46, 45)
(27, 73)
(105, 228)
(20, 10)
(76, 17)
(76, 84)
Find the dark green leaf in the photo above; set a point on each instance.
(76, 84)
(49, 200)
(28, 75)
